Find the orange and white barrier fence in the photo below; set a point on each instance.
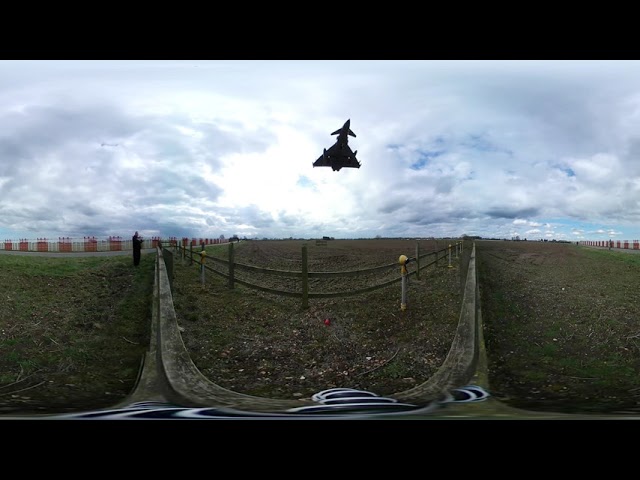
(624, 244)
(93, 244)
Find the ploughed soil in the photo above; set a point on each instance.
(561, 326)
(268, 345)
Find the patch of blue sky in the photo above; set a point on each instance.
(304, 181)
(424, 157)
(582, 229)
(565, 223)
(481, 144)
(568, 171)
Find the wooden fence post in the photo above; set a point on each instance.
(231, 268)
(203, 255)
(305, 278)
(417, 260)
(403, 272)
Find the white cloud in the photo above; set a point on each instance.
(222, 147)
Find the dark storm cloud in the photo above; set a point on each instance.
(254, 217)
(28, 212)
(164, 185)
(58, 144)
(632, 165)
(428, 216)
(37, 128)
(392, 205)
(511, 213)
(290, 220)
(445, 184)
(12, 155)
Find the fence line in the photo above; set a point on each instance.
(92, 244)
(189, 254)
(625, 244)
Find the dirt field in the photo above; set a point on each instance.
(267, 345)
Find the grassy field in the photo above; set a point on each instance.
(72, 331)
(560, 324)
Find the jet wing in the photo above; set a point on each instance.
(345, 159)
(325, 159)
(336, 158)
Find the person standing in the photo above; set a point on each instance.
(137, 247)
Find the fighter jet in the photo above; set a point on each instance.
(339, 154)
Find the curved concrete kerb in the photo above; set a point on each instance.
(187, 385)
(169, 370)
(460, 364)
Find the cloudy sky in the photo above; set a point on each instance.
(535, 149)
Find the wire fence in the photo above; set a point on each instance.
(229, 268)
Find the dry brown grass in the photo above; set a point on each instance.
(268, 345)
